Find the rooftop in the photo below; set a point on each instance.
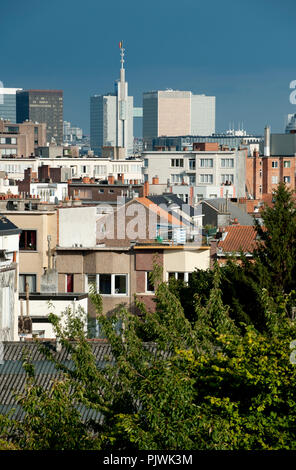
(238, 238)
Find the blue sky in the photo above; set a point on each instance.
(243, 52)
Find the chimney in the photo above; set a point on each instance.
(146, 189)
(155, 180)
(267, 141)
(121, 177)
(111, 179)
(28, 175)
(256, 153)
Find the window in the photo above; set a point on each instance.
(29, 279)
(206, 179)
(177, 162)
(91, 280)
(146, 162)
(149, 283)
(111, 191)
(274, 164)
(206, 163)
(287, 179)
(69, 282)
(227, 162)
(191, 163)
(120, 286)
(192, 179)
(227, 179)
(28, 240)
(6, 306)
(111, 284)
(274, 179)
(180, 276)
(287, 164)
(105, 281)
(176, 178)
(101, 191)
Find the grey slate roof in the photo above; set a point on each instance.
(7, 227)
(13, 375)
(236, 213)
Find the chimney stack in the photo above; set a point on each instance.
(267, 141)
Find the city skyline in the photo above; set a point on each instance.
(240, 55)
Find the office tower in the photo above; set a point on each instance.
(8, 103)
(177, 113)
(111, 116)
(71, 133)
(43, 106)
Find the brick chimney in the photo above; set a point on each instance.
(256, 153)
(28, 175)
(146, 189)
(155, 180)
(43, 173)
(111, 179)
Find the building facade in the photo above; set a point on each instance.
(9, 259)
(8, 103)
(275, 163)
(44, 106)
(177, 113)
(97, 168)
(21, 140)
(208, 172)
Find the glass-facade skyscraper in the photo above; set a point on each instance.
(43, 106)
(8, 103)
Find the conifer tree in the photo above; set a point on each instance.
(275, 256)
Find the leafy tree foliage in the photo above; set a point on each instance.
(210, 369)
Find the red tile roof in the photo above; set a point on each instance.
(238, 238)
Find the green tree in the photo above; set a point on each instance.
(275, 256)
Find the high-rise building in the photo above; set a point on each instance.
(111, 116)
(177, 113)
(71, 133)
(43, 106)
(8, 103)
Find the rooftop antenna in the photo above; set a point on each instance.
(121, 53)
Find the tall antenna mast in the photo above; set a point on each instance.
(121, 53)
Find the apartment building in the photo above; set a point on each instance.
(128, 243)
(9, 265)
(274, 163)
(209, 171)
(97, 168)
(20, 140)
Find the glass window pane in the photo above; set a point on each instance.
(120, 284)
(91, 280)
(105, 284)
(149, 284)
